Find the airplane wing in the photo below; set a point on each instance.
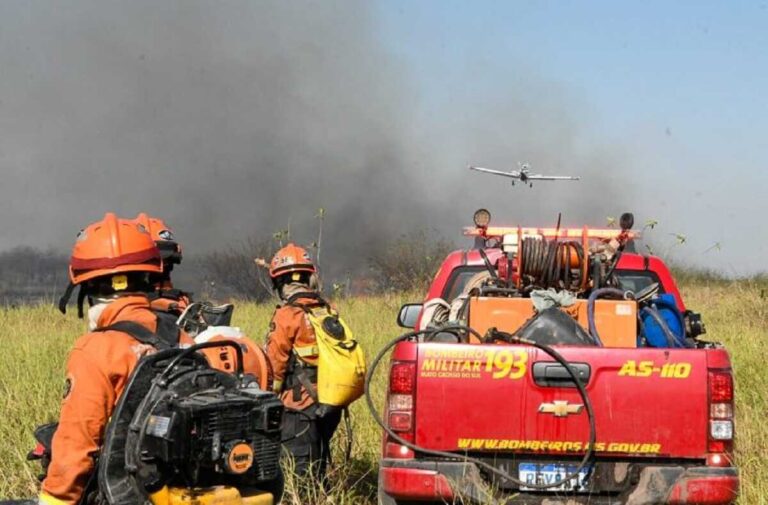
(539, 177)
(514, 174)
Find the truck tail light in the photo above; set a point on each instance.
(400, 421)
(720, 387)
(402, 378)
(720, 427)
(400, 402)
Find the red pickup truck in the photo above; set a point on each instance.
(663, 417)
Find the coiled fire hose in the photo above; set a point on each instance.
(548, 264)
(496, 335)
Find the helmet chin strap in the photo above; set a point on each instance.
(64, 300)
(80, 301)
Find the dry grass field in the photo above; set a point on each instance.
(35, 341)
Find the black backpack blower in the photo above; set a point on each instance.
(184, 432)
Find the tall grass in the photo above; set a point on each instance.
(35, 342)
(736, 314)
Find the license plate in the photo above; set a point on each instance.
(550, 473)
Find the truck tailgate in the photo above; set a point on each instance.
(512, 398)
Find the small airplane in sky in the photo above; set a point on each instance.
(524, 175)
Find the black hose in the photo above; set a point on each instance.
(239, 373)
(617, 293)
(488, 265)
(480, 463)
(457, 329)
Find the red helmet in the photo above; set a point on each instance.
(163, 236)
(289, 259)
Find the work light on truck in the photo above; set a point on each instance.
(482, 218)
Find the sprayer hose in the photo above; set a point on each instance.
(480, 463)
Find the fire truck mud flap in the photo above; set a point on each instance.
(446, 481)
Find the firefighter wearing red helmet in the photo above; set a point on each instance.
(293, 353)
(111, 263)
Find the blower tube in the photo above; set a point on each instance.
(478, 462)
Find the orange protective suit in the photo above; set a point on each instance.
(98, 369)
(291, 344)
(291, 328)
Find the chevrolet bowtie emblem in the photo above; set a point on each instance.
(560, 408)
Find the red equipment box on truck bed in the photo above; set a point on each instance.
(662, 416)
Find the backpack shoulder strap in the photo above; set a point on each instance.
(306, 307)
(139, 333)
(167, 329)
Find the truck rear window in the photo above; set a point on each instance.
(458, 281)
(637, 280)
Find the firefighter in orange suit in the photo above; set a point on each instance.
(168, 298)
(292, 350)
(111, 262)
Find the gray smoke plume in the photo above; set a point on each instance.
(235, 119)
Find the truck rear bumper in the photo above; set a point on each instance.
(424, 480)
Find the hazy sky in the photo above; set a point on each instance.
(676, 92)
(234, 118)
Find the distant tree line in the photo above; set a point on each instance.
(28, 274)
(407, 263)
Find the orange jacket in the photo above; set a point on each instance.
(98, 369)
(290, 328)
(175, 305)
